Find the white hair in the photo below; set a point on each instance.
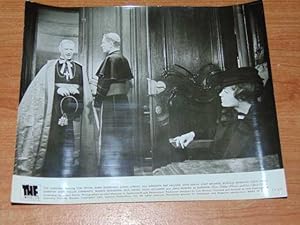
(64, 42)
(114, 38)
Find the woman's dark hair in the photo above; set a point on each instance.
(247, 84)
(246, 91)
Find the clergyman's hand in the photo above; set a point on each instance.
(63, 91)
(66, 90)
(73, 90)
(184, 140)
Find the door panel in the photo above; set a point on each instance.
(187, 37)
(45, 28)
(52, 27)
(99, 22)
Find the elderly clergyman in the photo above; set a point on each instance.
(114, 75)
(56, 126)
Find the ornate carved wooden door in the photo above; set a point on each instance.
(189, 37)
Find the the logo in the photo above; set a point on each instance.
(30, 191)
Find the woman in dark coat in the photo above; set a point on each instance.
(245, 133)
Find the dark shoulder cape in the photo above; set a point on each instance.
(116, 67)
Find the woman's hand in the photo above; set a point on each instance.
(184, 140)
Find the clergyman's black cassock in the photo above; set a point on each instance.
(116, 138)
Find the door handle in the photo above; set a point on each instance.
(146, 110)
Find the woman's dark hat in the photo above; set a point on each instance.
(205, 73)
(235, 76)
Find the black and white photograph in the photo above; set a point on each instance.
(146, 92)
